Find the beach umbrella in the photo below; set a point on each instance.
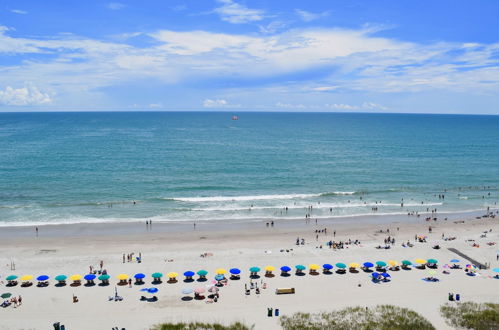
(313, 266)
(89, 277)
(368, 264)
(189, 273)
(495, 270)
(300, 267)
(199, 290)
(202, 272)
(172, 275)
(285, 269)
(454, 260)
(385, 275)
(11, 277)
(327, 266)
(76, 277)
(380, 263)
(420, 261)
(432, 261)
(406, 263)
(235, 271)
(341, 265)
(254, 269)
(6, 295)
(27, 278)
(187, 291)
(393, 263)
(375, 275)
(139, 276)
(157, 275)
(152, 290)
(220, 271)
(61, 278)
(122, 277)
(269, 268)
(104, 277)
(353, 265)
(42, 278)
(219, 277)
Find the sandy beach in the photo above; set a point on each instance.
(170, 247)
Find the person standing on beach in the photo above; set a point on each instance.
(36, 230)
(123, 258)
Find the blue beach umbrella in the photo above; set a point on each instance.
(219, 277)
(385, 275)
(375, 275)
(187, 291)
(152, 290)
(368, 264)
(139, 276)
(89, 277)
(42, 278)
(327, 266)
(285, 269)
(189, 273)
(235, 271)
(495, 270)
(454, 260)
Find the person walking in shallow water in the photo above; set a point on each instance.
(36, 230)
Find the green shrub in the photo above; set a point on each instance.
(470, 315)
(200, 326)
(380, 317)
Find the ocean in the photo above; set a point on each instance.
(195, 166)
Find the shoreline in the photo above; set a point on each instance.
(119, 229)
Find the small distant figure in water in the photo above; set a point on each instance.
(194, 225)
(36, 230)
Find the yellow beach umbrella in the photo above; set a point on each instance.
(76, 277)
(353, 265)
(220, 271)
(393, 263)
(420, 261)
(27, 278)
(172, 275)
(269, 268)
(313, 266)
(122, 277)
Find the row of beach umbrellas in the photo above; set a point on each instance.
(233, 271)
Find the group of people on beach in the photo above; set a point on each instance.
(14, 301)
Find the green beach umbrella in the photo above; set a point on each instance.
(6, 295)
(202, 272)
(432, 261)
(104, 277)
(341, 265)
(381, 263)
(11, 277)
(406, 263)
(60, 278)
(300, 267)
(254, 269)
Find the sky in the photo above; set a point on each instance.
(397, 56)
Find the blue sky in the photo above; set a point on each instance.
(337, 55)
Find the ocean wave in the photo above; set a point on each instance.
(241, 198)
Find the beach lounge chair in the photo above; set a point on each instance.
(285, 291)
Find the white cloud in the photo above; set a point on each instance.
(308, 16)
(235, 13)
(115, 5)
(290, 105)
(219, 103)
(28, 95)
(18, 11)
(364, 106)
(156, 105)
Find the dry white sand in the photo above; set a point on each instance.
(71, 249)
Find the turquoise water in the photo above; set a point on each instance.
(91, 167)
